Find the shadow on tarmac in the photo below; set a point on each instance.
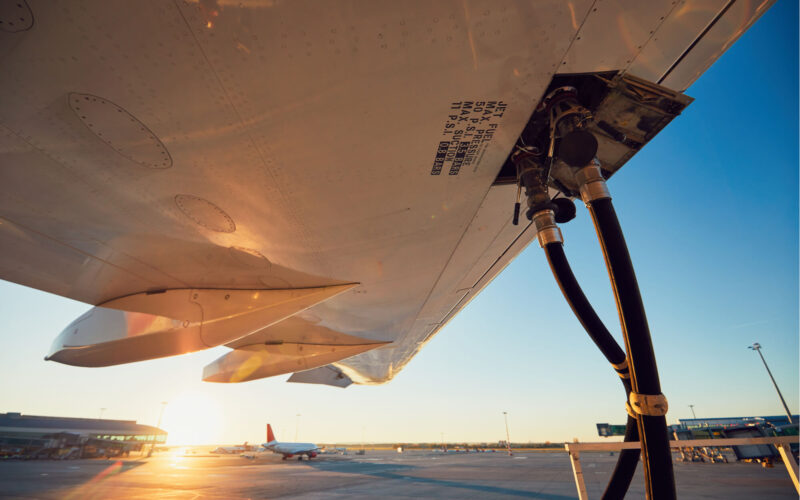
(18, 478)
(399, 472)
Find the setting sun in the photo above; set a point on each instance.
(192, 418)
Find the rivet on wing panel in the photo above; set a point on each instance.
(120, 130)
(15, 16)
(205, 213)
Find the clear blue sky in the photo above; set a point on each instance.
(710, 213)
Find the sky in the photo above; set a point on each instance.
(710, 214)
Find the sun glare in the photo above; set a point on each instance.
(192, 418)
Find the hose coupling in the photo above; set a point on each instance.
(591, 183)
(546, 229)
(653, 405)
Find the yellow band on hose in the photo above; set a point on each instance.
(622, 369)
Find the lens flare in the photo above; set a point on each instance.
(192, 418)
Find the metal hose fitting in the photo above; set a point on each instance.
(591, 183)
(546, 229)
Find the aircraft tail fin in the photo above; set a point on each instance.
(270, 435)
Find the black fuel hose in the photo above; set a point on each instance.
(621, 478)
(594, 326)
(626, 465)
(580, 305)
(657, 456)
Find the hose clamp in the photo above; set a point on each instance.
(591, 183)
(546, 229)
(652, 405)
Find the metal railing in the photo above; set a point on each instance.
(782, 443)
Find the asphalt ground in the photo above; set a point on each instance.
(378, 474)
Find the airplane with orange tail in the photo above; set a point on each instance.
(289, 450)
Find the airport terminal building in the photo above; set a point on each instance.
(36, 436)
(773, 420)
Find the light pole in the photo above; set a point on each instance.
(158, 426)
(757, 347)
(508, 439)
(102, 410)
(161, 413)
(297, 427)
(691, 407)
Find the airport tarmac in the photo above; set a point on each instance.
(378, 474)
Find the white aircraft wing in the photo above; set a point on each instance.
(202, 171)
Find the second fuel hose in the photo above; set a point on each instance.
(628, 459)
(657, 459)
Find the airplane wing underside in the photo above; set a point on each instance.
(156, 154)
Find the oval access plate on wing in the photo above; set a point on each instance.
(15, 15)
(120, 130)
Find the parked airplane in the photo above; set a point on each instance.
(288, 450)
(334, 450)
(232, 450)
